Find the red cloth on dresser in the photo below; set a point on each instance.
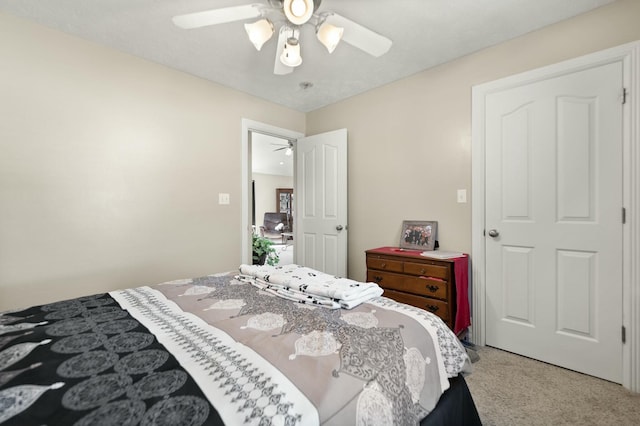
(463, 316)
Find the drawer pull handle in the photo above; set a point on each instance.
(383, 265)
(377, 279)
(433, 308)
(422, 271)
(432, 288)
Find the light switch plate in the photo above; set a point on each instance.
(224, 198)
(462, 195)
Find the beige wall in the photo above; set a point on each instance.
(110, 168)
(110, 165)
(410, 141)
(266, 192)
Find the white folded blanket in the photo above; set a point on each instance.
(293, 295)
(347, 293)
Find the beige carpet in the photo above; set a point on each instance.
(285, 253)
(512, 390)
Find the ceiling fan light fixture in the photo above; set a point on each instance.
(298, 12)
(291, 53)
(259, 32)
(329, 35)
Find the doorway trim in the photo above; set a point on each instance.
(249, 126)
(629, 54)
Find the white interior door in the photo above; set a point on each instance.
(553, 202)
(321, 202)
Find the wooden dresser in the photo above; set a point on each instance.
(410, 278)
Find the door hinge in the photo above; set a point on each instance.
(624, 334)
(484, 232)
(624, 215)
(624, 95)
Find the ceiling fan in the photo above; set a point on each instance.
(288, 146)
(291, 14)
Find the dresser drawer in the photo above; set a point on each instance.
(383, 264)
(437, 307)
(426, 286)
(422, 286)
(423, 269)
(385, 279)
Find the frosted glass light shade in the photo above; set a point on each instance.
(259, 32)
(291, 53)
(329, 35)
(298, 11)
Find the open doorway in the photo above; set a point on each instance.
(320, 186)
(272, 209)
(262, 135)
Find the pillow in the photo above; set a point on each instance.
(279, 227)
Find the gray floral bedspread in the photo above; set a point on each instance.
(215, 349)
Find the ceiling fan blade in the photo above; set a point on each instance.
(361, 37)
(279, 68)
(217, 16)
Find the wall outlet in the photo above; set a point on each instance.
(224, 198)
(462, 195)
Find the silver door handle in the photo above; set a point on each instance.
(493, 233)
(339, 228)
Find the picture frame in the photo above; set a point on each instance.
(419, 235)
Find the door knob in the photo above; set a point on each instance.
(493, 233)
(339, 228)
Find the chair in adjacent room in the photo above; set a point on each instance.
(274, 224)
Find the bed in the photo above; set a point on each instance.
(217, 350)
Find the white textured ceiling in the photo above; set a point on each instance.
(425, 33)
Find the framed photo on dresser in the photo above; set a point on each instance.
(418, 234)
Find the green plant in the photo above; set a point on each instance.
(264, 252)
